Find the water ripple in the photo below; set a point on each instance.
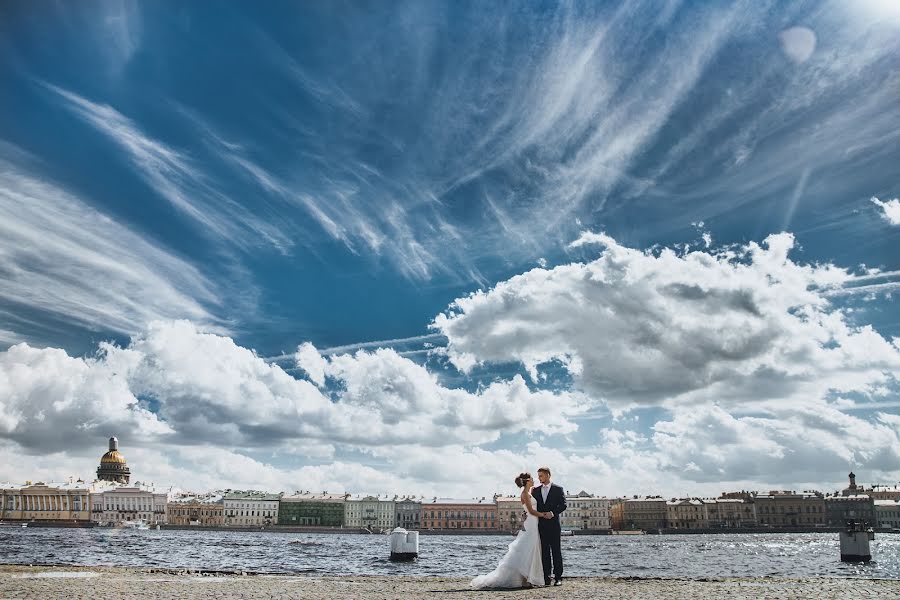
(746, 555)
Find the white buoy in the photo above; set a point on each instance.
(404, 545)
(855, 543)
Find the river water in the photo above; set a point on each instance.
(722, 555)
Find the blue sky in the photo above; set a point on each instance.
(302, 180)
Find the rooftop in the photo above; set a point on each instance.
(250, 495)
(307, 497)
(458, 501)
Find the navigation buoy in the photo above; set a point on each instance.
(404, 545)
(855, 542)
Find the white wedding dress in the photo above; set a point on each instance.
(522, 562)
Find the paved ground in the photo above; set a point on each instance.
(112, 583)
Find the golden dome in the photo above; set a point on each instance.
(112, 457)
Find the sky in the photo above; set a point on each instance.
(420, 247)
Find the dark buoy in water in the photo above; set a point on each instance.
(855, 542)
(404, 545)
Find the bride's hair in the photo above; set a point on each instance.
(522, 478)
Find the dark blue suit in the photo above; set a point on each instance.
(550, 529)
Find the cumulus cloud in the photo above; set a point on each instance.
(890, 208)
(50, 401)
(309, 359)
(206, 389)
(739, 351)
(741, 323)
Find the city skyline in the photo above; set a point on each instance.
(427, 246)
(114, 472)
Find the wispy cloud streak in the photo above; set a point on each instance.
(172, 175)
(61, 258)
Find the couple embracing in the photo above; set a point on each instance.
(536, 551)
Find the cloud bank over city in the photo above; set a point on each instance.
(751, 362)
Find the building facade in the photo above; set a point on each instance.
(448, 513)
(840, 509)
(686, 513)
(728, 513)
(118, 504)
(250, 508)
(640, 513)
(41, 501)
(585, 511)
(409, 513)
(303, 509)
(510, 512)
(790, 509)
(201, 510)
(370, 512)
(887, 513)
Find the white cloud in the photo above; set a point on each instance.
(309, 359)
(787, 444)
(50, 401)
(120, 30)
(205, 389)
(740, 345)
(173, 175)
(891, 209)
(61, 257)
(743, 324)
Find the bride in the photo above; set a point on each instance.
(521, 566)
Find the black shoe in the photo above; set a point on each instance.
(546, 581)
(557, 582)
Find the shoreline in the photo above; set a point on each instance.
(100, 583)
(477, 532)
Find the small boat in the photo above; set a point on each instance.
(134, 525)
(566, 532)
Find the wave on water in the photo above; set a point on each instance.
(712, 555)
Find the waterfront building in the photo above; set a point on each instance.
(409, 513)
(840, 509)
(686, 513)
(640, 513)
(510, 512)
(884, 492)
(449, 513)
(586, 511)
(69, 501)
(113, 466)
(369, 512)
(202, 510)
(250, 508)
(306, 509)
(113, 505)
(790, 509)
(723, 513)
(887, 513)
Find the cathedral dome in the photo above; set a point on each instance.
(113, 466)
(113, 457)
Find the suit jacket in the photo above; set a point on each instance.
(556, 503)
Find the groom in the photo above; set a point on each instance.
(551, 500)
